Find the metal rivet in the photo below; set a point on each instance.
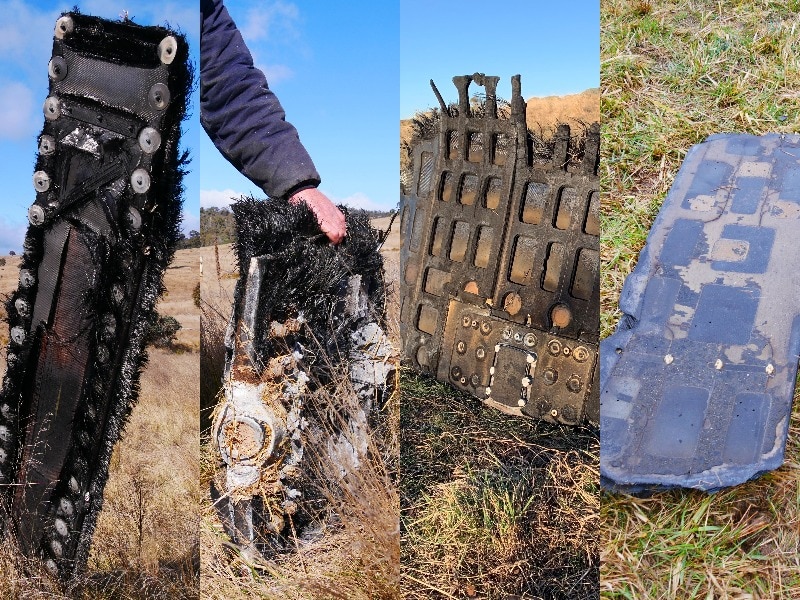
(51, 108)
(480, 353)
(486, 327)
(36, 215)
(5, 433)
(463, 380)
(26, 278)
(554, 413)
(61, 527)
(149, 140)
(57, 68)
(23, 308)
(140, 181)
(3, 456)
(529, 340)
(574, 384)
(64, 25)
(64, 505)
(56, 548)
(507, 333)
(167, 49)
(134, 218)
(580, 354)
(158, 96)
(47, 145)
(41, 181)
(461, 347)
(18, 335)
(554, 346)
(465, 321)
(550, 376)
(475, 380)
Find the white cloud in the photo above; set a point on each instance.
(190, 222)
(219, 198)
(18, 118)
(276, 73)
(273, 21)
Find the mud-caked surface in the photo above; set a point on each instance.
(697, 382)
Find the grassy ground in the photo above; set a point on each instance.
(356, 555)
(494, 506)
(673, 73)
(154, 475)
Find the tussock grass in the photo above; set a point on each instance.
(673, 73)
(494, 506)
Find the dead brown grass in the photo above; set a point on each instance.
(146, 541)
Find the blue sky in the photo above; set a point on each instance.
(555, 46)
(333, 65)
(26, 34)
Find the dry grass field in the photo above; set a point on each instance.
(357, 554)
(492, 506)
(154, 475)
(673, 73)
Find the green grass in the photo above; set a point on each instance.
(493, 506)
(673, 73)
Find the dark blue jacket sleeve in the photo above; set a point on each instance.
(242, 116)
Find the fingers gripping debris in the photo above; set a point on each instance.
(306, 316)
(500, 259)
(95, 252)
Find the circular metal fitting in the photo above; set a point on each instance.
(149, 140)
(567, 350)
(102, 354)
(47, 145)
(463, 381)
(480, 352)
(41, 181)
(66, 507)
(133, 218)
(140, 181)
(455, 373)
(561, 315)
(167, 49)
(23, 308)
(475, 380)
(56, 548)
(508, 333)
(465, 321)
(73, 485)
(51, 108)
(486, 327)
(26, 278)
(117, 293)
(61, 527)
(568, 413)
(18, 335)
(5, 433)
(554, 347)
(554, 413)
(517, 337)
(529, 340)
(57, 68)
(158, 97)
(64, 25)
(580, 354)
(474, 323)
(240, 439)
(574, 384)
(550, 376)
(461, 347)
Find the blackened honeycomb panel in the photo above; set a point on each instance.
(697, 382)
(515, 243)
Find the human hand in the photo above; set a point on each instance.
(330, 218)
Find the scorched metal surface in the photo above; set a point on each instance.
(697, 382)
(500, 260)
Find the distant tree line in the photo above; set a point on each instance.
(217, 226)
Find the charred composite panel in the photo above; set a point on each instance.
(102, 229)
(500, 261)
